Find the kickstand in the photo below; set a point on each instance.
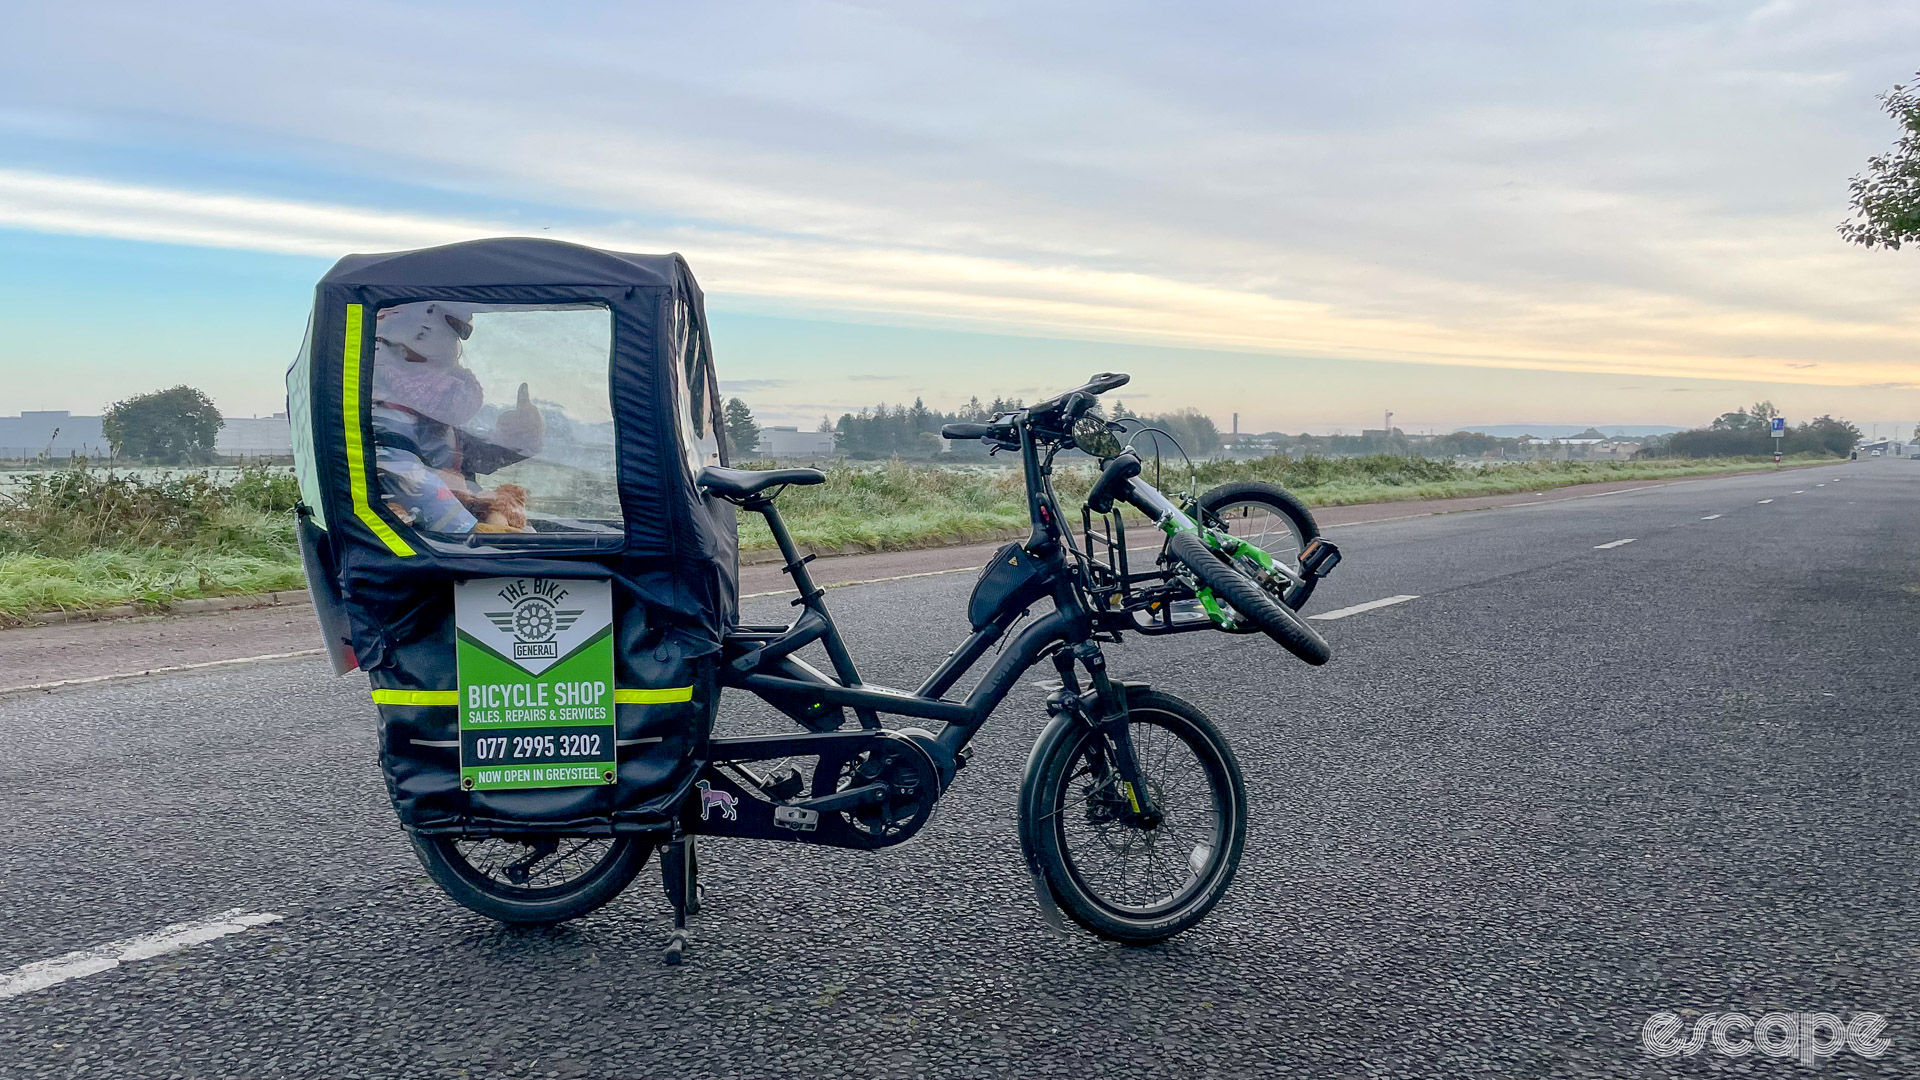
(680, 876)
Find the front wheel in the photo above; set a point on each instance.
(1248, 600)
(534, 879)
(1115, 874)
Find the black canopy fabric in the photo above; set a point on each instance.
(384, 592)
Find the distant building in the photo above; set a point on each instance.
(59, 434)
(791, 442)
(255, 436)
(52, 432)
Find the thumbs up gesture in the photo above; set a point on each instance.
(521, 427)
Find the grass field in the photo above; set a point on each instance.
(75, 540)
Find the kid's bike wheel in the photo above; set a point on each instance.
(1110, 873)
(534, 879)
(1261, 514)
(1248, 600)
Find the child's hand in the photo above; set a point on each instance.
(521, 427)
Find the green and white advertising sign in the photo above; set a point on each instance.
(536, 683)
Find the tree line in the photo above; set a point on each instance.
(1748, 432)
(913, 431)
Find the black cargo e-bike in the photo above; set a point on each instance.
(1133, 809)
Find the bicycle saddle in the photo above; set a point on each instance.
(737, 484)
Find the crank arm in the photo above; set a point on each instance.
(863, 795)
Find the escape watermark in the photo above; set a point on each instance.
(1804, 1036)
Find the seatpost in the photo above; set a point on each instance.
(810, 594)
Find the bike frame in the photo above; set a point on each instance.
(760, 659)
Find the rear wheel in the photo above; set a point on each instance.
(1104, 866)
(1261, 514)
(533, 879)
(1248, 600)
(1270, 519)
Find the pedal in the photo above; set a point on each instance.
(797, 818)
(1318, 558)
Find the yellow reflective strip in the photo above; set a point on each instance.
(653, 697)
(356, 454)
(416, 697)
(666, 696)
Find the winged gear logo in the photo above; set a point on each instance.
(534, 623)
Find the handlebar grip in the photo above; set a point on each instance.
(966, 431)
(1113, 480)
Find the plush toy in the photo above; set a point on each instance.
(501, 510)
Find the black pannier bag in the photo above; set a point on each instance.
(519, 421)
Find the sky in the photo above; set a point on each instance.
(1465, 212)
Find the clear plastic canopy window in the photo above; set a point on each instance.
(493, 423)
(695, 401)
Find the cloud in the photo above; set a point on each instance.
(1638, 189)
(742, 386)
(1631, 335)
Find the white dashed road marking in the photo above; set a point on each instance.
(1802, 491)
(1764, 502)
(1614, 544)
(1358, 608)
(78, 965)
(1709, 517)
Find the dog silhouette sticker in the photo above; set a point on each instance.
(710, 798)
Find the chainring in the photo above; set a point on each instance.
(912, 779)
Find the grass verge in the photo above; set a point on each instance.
(899, 506)
(79, 541)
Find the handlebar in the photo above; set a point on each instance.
(1073, 403)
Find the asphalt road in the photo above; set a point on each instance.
(1564, 788)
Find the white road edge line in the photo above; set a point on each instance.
(169, 669)
(1709, 517)
(1358, 608)
(77, 965)
(1764, 502)
(1615, 544)
(868, 581)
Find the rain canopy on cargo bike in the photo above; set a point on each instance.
(497, 444)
